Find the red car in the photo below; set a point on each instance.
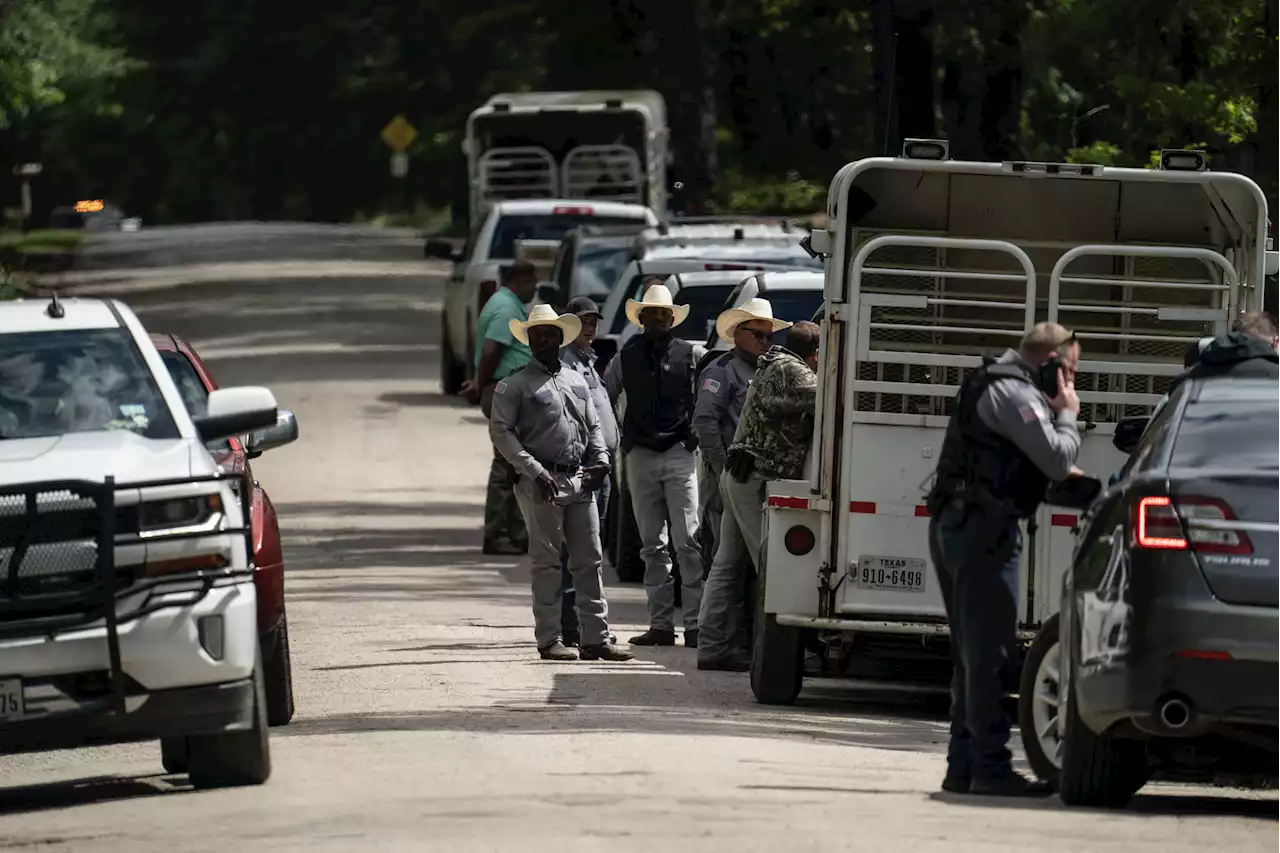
(194, 383)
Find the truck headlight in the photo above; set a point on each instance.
(178, 513)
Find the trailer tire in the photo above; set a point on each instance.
(1097, 770)
(777, 655)
(233, 759)
(1041, 673)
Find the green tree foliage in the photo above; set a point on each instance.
(271, 108)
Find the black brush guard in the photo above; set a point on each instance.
(90, 593)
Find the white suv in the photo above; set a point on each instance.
(127, 605)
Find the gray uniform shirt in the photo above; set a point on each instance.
(543, 420)
(721, 392)
(583, 361)
(1021, 414)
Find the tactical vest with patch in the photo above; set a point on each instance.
(978, 464)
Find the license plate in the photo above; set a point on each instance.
(10, 698)
(904, 574)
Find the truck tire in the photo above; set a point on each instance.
(279, 678)
(1097, 770)
(777, 657)
(1040, 702)
(233, 759)
(452, 371)
(173, 754)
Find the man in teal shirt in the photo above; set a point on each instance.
(498, 355)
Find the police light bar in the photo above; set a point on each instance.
(89, 206)
(1183, 160)
(926, 149)
(572, 211)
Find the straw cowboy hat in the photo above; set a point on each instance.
(545, 315)
(657, 296)
(753, 309)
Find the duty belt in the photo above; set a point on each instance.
(564, 469)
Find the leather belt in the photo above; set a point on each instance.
(564, 469)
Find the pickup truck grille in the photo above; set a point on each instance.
(48, 544)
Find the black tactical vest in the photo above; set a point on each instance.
(659, 389)
(979, 465)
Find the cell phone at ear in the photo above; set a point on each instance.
(1047, 378)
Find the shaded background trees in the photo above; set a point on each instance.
(271, 109)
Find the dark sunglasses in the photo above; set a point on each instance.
(759, 336)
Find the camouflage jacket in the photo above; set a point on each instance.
(777, 416)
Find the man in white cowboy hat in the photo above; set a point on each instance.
(656, 370)
(545, 425)
(722, 388)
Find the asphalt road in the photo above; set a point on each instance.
(425, 720)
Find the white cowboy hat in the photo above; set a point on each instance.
(753, 309)
(545, 315)
(657, 296)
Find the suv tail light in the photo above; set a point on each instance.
(487, 289)
(1192, 522)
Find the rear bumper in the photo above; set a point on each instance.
(208, 709)
(1219, 659)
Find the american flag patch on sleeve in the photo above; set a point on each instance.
(711, 385)
(1031, 413)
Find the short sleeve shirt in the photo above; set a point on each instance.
(495, 325)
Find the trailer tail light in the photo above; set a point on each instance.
(488, 287)
(799, 540)
(1193, 523)
(572, 211)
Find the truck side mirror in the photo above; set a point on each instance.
(1128, 432)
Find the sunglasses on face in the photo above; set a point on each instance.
(759, 336)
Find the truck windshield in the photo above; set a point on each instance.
(82, 380)
(548, 226)
(598, 270)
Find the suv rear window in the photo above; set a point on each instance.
(549, 226)
(82, 380)
(1235, 433)
(705, 304)
(792, 306)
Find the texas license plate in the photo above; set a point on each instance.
(905, 574)
(10, 698)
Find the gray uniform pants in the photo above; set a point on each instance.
(710, 508)
(665, 485)
(722, 618)
(578, 527)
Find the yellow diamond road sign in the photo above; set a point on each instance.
(399, 134)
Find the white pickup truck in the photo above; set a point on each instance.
(931, 264)
(127, 603)
(477, 269)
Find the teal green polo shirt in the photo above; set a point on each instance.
(495, 325)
